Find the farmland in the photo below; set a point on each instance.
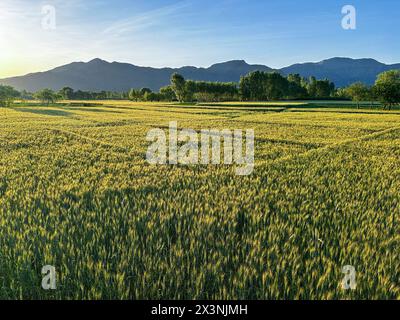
(77, 193)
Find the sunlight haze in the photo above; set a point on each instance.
(176, 33)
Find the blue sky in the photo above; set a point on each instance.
(172, 33)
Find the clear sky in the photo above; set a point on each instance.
(174, 33)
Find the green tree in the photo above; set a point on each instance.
(178, 84)
(324, 89)
(66, 93)
(387, 88)
(320, 89)
(358, 92)
(297, 87)
(259, 86)
(342, 93)
(312, 87)
(134, 95)
(25, 95)
(190, 90)
(276, 86)
(47, 96)
(251, 86)
(150, 96)
(213, 91)
(167, 93)
(143, 91)
(7, 95)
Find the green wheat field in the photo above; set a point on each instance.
(77, 193)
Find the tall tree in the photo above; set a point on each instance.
(7, 95)
(134, 95)
(358, 92)
(151, 96)
(143, 91)
(66, 93)
(168, 93)
(276, 86)
(296, 87)
(178, 84)
(312, 87)
(387, 88)
(46, 96)
(190, 90)
(259, 86)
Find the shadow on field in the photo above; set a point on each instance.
(45, 112)
(90, 109)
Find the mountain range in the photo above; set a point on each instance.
(98, 75)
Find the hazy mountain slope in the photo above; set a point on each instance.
(97, 75)
(342, 71)
(100, 75)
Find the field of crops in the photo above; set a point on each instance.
(77, 193)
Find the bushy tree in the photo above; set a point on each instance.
(342, 93)
(189, 91)
(215, 91)
(387, 88)
(134, 95)
(167, 93)
(47, 96)
(320, 89)
(66, 93)
(296, 87)
(143, 91)
(25, 95)
(151, 96)
(324, 89)
(312, 87)
(178, 84)
(359, 92)
(7, 95)
(251, 86)
(276, 86)
(260, 86)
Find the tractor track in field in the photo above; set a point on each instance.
(116, 147)
(306, 154)
(335, 145)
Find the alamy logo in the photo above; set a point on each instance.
(349, 280)
(49, 278)
(349, 21)
(188, 147)
(49, 17)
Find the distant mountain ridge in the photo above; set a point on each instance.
(342, 71)
(98, 75)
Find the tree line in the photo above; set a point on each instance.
(386, 90)
(264, 86)
(256, 86)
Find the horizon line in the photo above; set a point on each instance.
(198, 67)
